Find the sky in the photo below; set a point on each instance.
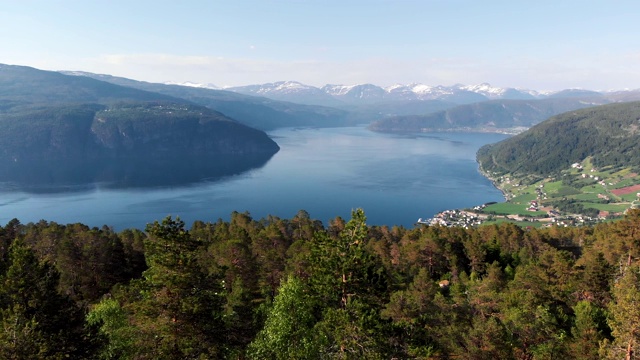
(539, 45)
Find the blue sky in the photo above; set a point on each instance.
(540, 45)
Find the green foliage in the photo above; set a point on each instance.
(345, 291)
(287, 332)
(35, 320)
(588, 331)
(112, 322)
(624, 317)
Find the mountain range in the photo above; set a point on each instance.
(336, 95)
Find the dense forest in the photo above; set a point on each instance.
(609, 134)
(296, 289)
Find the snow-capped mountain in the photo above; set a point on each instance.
(492, 92)
(333, 95)
(193, 84)
(292, 91)
(364, 93)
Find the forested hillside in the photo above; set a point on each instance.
(609, 134)
(295, 289)
(50, 116)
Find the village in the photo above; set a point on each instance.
(469, 218)
(607, 193)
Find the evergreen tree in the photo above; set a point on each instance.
(624, 311)
(350, 287)
(176, 310)
(179, 296)
(588, 331)
(35, 320)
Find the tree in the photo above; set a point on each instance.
(624, 311)
(111, 319)
(176, 309)
(35, 320)
(350, 286)
(287, 333)
(588, 331)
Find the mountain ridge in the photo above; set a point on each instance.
(362, 93)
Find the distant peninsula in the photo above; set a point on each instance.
(51, 116)
(499, 116)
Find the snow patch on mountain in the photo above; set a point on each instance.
(337, 90)
(193, 84)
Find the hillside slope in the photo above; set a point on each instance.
(609, 134)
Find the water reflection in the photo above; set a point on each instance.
(50, 177)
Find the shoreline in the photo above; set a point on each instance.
(494, 182)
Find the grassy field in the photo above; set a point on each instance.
(630, 197)
(524, 199)
(607, 207)
(508, 208)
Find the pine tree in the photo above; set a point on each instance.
(350, 286)
(35, 320)
(181, 297)
(624, 311)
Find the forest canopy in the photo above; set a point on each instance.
(297, 289)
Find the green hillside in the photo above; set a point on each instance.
(582, 162)
(608, 134)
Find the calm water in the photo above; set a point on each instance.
(327, 172)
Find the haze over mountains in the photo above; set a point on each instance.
(420, 108)
(258, 112)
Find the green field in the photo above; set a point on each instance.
(510, 208)
(567, 193)
(630, 197)
(625, 183)
(524, 199)
(586, 197)
(607, 207)
(552, 187)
